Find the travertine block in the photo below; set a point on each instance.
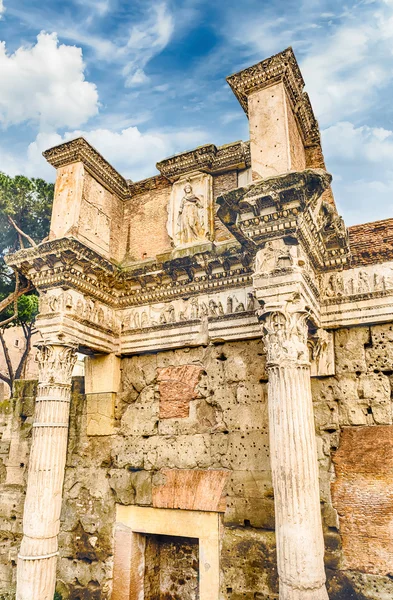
(350, 353)
(102, 374)
(190, 489)
(379, 354)
(140, 419)
(100, 413)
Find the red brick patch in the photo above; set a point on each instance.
(177, 386)
(363, 497)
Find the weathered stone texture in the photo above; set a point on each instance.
(223, 183)
(214, 457)
(153, 461)
(171, 568)
(177, 387)
(363, 496)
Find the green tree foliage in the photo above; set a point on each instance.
(25, 209)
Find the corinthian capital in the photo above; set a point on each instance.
(55, 362)
(285, 336)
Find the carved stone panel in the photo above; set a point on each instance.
(190, 211)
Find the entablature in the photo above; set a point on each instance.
(208, 159)
(290, 206)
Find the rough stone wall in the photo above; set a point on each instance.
(16, 418)
(353, 416)
(220, 424)
(225, 430)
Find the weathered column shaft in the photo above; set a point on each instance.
(36, 574)
(300, 546)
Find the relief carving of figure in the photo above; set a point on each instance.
(250, 301)
(275, 255)
(190, 220)
(213, 308)
(363, 283)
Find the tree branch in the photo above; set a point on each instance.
(18, 229)
(6, 380)
(27, 330)
(15, 314)
(7, 358)
(12, 298)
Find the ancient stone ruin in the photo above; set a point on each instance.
(232, 437)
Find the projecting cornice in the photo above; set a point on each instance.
(288, 205)
(208, 159)
(280, 67)
(79, 150)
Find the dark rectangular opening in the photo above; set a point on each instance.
(171, 568)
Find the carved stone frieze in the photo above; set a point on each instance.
(180, 311)
(84, 309)
(359, 282)
(208, 158)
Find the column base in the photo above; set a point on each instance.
(290, 593)
(36, 579)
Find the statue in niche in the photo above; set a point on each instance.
(190, 219)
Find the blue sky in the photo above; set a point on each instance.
(144, 79)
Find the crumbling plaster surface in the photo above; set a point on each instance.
(225, 430)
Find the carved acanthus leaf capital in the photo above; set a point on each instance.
(285, 335)
(56, 362)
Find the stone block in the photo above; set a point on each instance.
(350, 355)
(249, 448)
(142, 484)
(102, 374)
(181, 452)
(140, 418)
(250, 484)
(100, 408)
(379, 354)
(254, 512)
(190, 489)
(248, 562)
(246, 417)
(120, 481)
(11, 501)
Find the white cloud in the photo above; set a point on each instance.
(343, 74)
(2, 7)
(361, 161)
(146, 40)
(133, 153)
(45, 83)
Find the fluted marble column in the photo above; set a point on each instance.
(300, 546)
(36, 573)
